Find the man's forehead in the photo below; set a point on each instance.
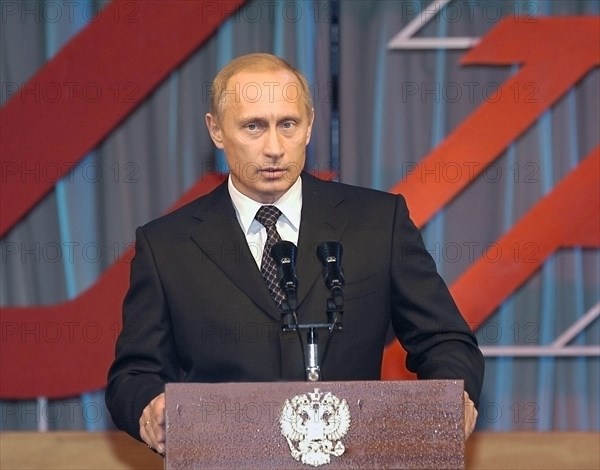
(264, 87)
(279, 76)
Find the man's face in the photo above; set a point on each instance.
(263, 129)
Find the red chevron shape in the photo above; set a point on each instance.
(555, 52)
(569, 216)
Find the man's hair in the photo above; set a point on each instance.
(257, 62)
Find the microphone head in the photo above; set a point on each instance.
(284, 253)
(330, 252)
(330, 255)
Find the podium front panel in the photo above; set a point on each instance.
(396, 424)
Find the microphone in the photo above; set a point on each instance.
(330, 255)
(284, 253)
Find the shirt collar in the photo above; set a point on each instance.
(290, 205)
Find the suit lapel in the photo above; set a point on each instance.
(221, 238)
(322, 220)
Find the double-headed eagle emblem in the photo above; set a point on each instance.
(313, 425)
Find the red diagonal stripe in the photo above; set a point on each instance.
(569, 216)
(65, 349)
(555, 53)
(90, 86)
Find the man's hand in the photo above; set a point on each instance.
(152, 424)
(470, 415)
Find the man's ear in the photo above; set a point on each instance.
(214, 130)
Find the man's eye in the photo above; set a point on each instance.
(254, 126)
(289, 125)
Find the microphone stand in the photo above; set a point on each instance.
(313, 369)
(311, 353)
(329, 253)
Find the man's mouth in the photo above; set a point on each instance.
(273, 172)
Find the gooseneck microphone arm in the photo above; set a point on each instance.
(285, 253)
(330, 255)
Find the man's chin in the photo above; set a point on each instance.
(274, 186)
(267, 188)
(273, 189)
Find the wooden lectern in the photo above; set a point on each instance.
(293, 425)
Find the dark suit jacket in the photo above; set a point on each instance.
(198, 309)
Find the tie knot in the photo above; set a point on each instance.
(267, 215)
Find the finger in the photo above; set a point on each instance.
(158, 409)
(155, 435)
(144, 433)
(152, 424)
(470, 415)
(151, 431)
(146, 429)
(158, 422)
(159, 438)
(475, 414)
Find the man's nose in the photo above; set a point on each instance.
(273, 145)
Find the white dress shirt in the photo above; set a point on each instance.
(288, 225)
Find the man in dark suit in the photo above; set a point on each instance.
(198, 308)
